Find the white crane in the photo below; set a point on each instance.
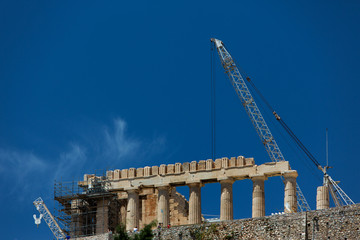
(339, 196)
(49, 219)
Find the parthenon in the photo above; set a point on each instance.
(135, 197)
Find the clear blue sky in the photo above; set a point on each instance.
(88, 85)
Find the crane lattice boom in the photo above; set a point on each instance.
(254, 113)
(49, 219)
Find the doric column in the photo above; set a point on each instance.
(322, 198)
(132, 215)
(102, 216)
(226, 205)
(163, 215)
(195, 203)
(258, 201)
(76, 218)
(290, 199)
(122, 211)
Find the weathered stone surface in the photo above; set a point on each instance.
(209, 164)
(186, 166)
(333, 223)
(218, 163)
(139, 172)
(249, 161)
(147, 171)
(124, 173)
(178, 168)
(193, 166)
(240, 161)
(170, 169)
(202, 165)
(226, 203)
(117, 174)
(322, 198)
(258, 201)
(105, 236)
(110, 174)
(162, 169)
(132, 173)
(290, 199)
(225, 162)
(155, 170)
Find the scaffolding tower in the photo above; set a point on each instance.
(86, 208)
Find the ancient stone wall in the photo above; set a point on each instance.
(333, 223)
(105, 236)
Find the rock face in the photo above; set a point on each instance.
(333, 223)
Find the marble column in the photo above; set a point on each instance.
(132, 215)
(122, 211)
(226, 205)
(290, 199)
(163, 215)
(322, 198)
(76, 218)
(258, 196)
(195, 203)
(102, 216)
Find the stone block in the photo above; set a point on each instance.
(193, 166)
(155, 170)
(124, 173)
(122, 195)
(147, 171)
(117, 174)
(240, 161)
(209, 164)
(170, 168)
(162, 169)
(232, 162)
(146, 191)
(132, 173)
(186, 166)
(109, 175)
(218, 163)
(178, 168)
(224, 162)
(249, 161)
(202, 165)
(139, 172)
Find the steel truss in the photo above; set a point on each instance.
(254, 114)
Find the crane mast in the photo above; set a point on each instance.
(254, 113)
(49, 219)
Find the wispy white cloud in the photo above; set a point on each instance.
(117, 143)
(70, 163)
(21, 163)
(18, 170)
(28, 172)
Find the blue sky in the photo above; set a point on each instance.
(88, 85)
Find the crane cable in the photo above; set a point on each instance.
(212, 99)
(284, 125)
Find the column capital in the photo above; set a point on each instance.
(226, 180)
(257, 177)
(195, 184)
(132, 190)
(162, 186)
(290, 174)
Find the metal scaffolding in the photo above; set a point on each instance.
(86, 209)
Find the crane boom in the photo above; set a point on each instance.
(49, 219)
(254, 113)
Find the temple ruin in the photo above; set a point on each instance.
(135, 197)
